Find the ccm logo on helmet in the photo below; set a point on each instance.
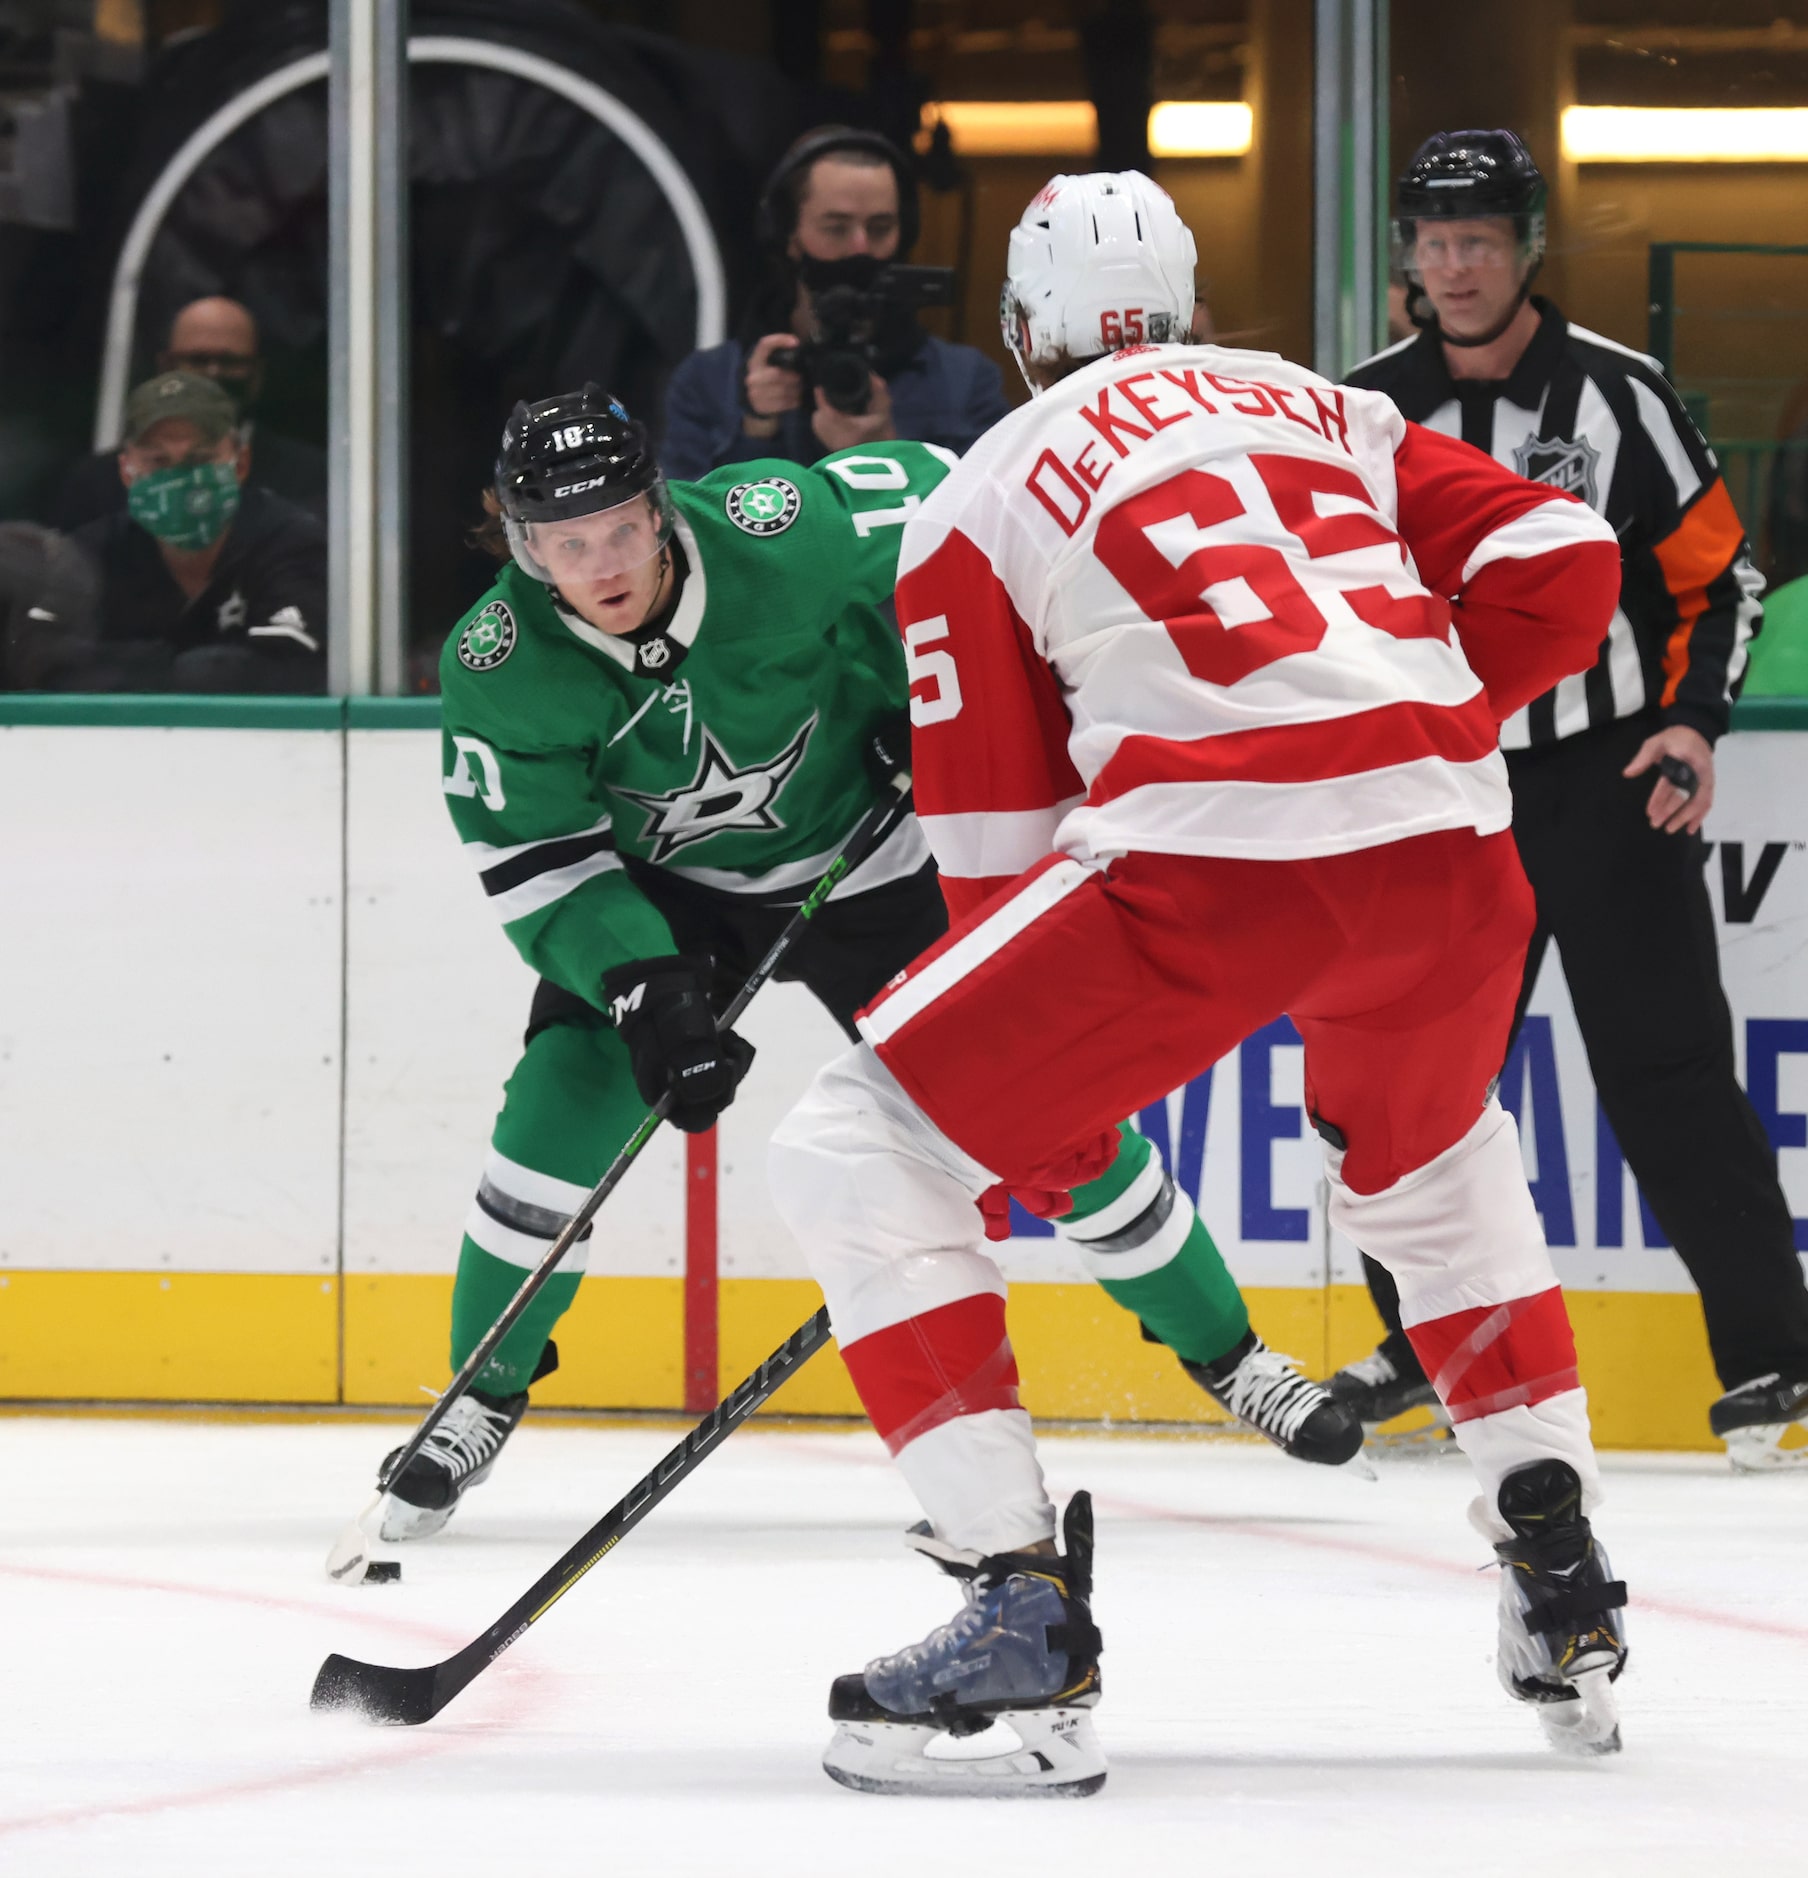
(577, 489)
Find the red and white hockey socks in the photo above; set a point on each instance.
(883, 1205)
(1480, 1303)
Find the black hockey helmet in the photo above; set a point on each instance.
(575, 455)
(1463, 175)
(1468, 175)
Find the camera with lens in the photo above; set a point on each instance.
(863, 325)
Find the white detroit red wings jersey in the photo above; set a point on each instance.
(1199, 601)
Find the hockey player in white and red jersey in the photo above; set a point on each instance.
(1209, 658)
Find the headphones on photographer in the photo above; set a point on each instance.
(776, 216)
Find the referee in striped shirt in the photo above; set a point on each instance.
(1613, 771)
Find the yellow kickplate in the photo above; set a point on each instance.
(248, 1338)
(184, 1337)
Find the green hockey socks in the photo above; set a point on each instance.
(485, 1285)
(1142, 1239)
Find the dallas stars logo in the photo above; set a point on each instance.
(719, 797)
(767, 507)
(489, 638)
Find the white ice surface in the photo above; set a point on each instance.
(1298, 1672)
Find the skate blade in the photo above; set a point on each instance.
(1588, 1726)
(1421, 1433)
(403, 1521)
(1767, 1447)
(1031, 1754)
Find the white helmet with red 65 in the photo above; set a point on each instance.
(1096, 263)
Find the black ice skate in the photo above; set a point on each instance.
(1265, 1391)
(1381, 1388)
(457, 1455)
(1562, 1638)
(1757, 1418)
(1006, 1689)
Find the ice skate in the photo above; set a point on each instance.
(1377, 1391)
(1562, 1638)
(995, 1703)
(1764, 1424)
(458, 1454)
(1266, 1392)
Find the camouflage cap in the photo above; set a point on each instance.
(205, 404)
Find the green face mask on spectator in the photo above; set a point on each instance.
(188, 506)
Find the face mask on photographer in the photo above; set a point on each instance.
(858, 271)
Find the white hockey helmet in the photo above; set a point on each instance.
(1097, 262)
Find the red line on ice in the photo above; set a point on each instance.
(234, 1790)
(419, 1747)
(1260, 1529)
(220, 1594)
(1390, 1555)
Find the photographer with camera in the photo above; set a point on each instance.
(851, 366)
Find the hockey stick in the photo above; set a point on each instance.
(417, 1695)
(350, 1559)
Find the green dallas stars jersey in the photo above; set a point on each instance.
(745, 771)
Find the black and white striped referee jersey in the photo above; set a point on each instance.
(1602, 422)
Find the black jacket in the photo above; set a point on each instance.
(258, 626)
(943, 393)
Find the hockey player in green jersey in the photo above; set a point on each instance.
(660, 728)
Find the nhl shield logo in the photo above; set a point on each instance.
(489, 638)
(1564, 463)
(767, 507)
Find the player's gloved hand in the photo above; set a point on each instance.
(888, 749)
(661, 1008)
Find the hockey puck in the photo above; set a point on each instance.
(383, 1571)
(1679, 775)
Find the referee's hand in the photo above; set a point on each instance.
(1670, 808)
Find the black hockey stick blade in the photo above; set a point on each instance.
(381, 1695)
(412, 1696)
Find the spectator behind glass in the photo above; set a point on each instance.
(216, 338)
(207, 583)
(840, 202)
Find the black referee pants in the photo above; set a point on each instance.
(1628, 908)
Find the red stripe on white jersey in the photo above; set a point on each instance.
(1197, 548)
(1312, 752)
(991, 733)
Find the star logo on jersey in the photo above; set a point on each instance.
(719, 797)
(489, 638)
(767, 507)
(1563, 462)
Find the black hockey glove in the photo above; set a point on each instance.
(888, 749)
(661, 1008)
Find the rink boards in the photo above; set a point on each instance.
(257, 1018)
